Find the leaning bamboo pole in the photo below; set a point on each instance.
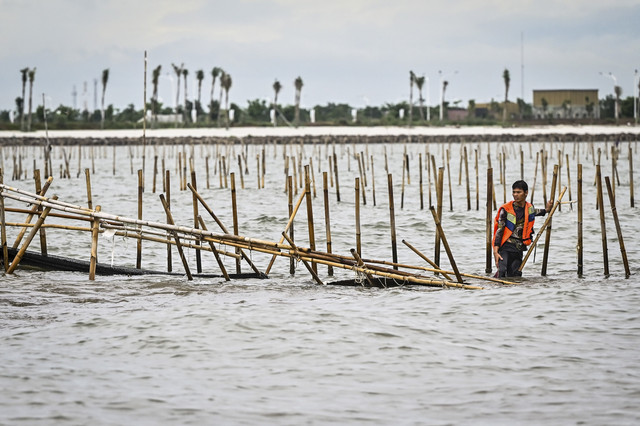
(436, 219)
(612, 202)
(310, 268)
(547, 240)
(392, 219)
(176, 238)
(214, 251)
(33, 211)
(603, 228)
(25, 245)
(544, 226)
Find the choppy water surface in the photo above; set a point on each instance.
(160, 349)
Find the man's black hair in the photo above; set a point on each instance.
(520, 184)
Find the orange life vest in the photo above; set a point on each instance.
(510, 223)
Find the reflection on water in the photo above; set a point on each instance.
(159, 349)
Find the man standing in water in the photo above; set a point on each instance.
(513, 230)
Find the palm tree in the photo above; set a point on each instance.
(507, 79)
(215, 72)
(178, 71)
(226, 84)
(419, 83)
(412, 79)
(199, 77)
(445, 83)
(298, 84)
(222, 78)
(24, 72)
(155, 78)
(185, 73)
(276, 90)
(105, 79)
(32, 76)
(618, 91)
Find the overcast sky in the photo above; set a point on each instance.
(358, 52)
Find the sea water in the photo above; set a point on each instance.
(554, 349)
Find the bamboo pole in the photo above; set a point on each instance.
(155, 174)
(477, 181)
(544, 226)
(94, 247)
(420, 181)
(404, 159)
(547, 240)
(33, 211)
(176, 238)
(335, 172)
(488, 228)
(327, 219)
(580, 239)
(139, 243)
(34, 230)
(612, 202)
(357, 214)
(312, 268)
(43, 234)
(234, 210)
(3, 232)
(292, 264)
(466, 173)
(289, 225)
(312, 235)
(446, 245)
(429, 261)
(361, 264)
(449, 180)
(535, 177)
(373, 183)
(631, 194)
(439, 190)
(167, 190)
(196, 222)
(605, 252)
(215, 252)
(221, 225)
(392, 220)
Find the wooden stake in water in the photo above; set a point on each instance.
(623, 251)
(605, 252)
(392, 221)
(446, 245)
(357, 204)
(312, 237)
(466, 172)
(335, 171)
(373, 183)
(327, 220)
(420, 181)
(176, 238)
(631, 195)
(580, 239)
(196, 223)
(449, 179)
(488, 228)
(547, 239)
(139, 243)
(94, 246)
(167, 190)
(234, 210)
(292, 261)
(3, 233)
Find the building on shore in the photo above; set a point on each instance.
(566, 103)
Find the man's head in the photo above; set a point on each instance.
(520, 190)
(521, 185)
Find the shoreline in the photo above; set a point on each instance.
(561, 133)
